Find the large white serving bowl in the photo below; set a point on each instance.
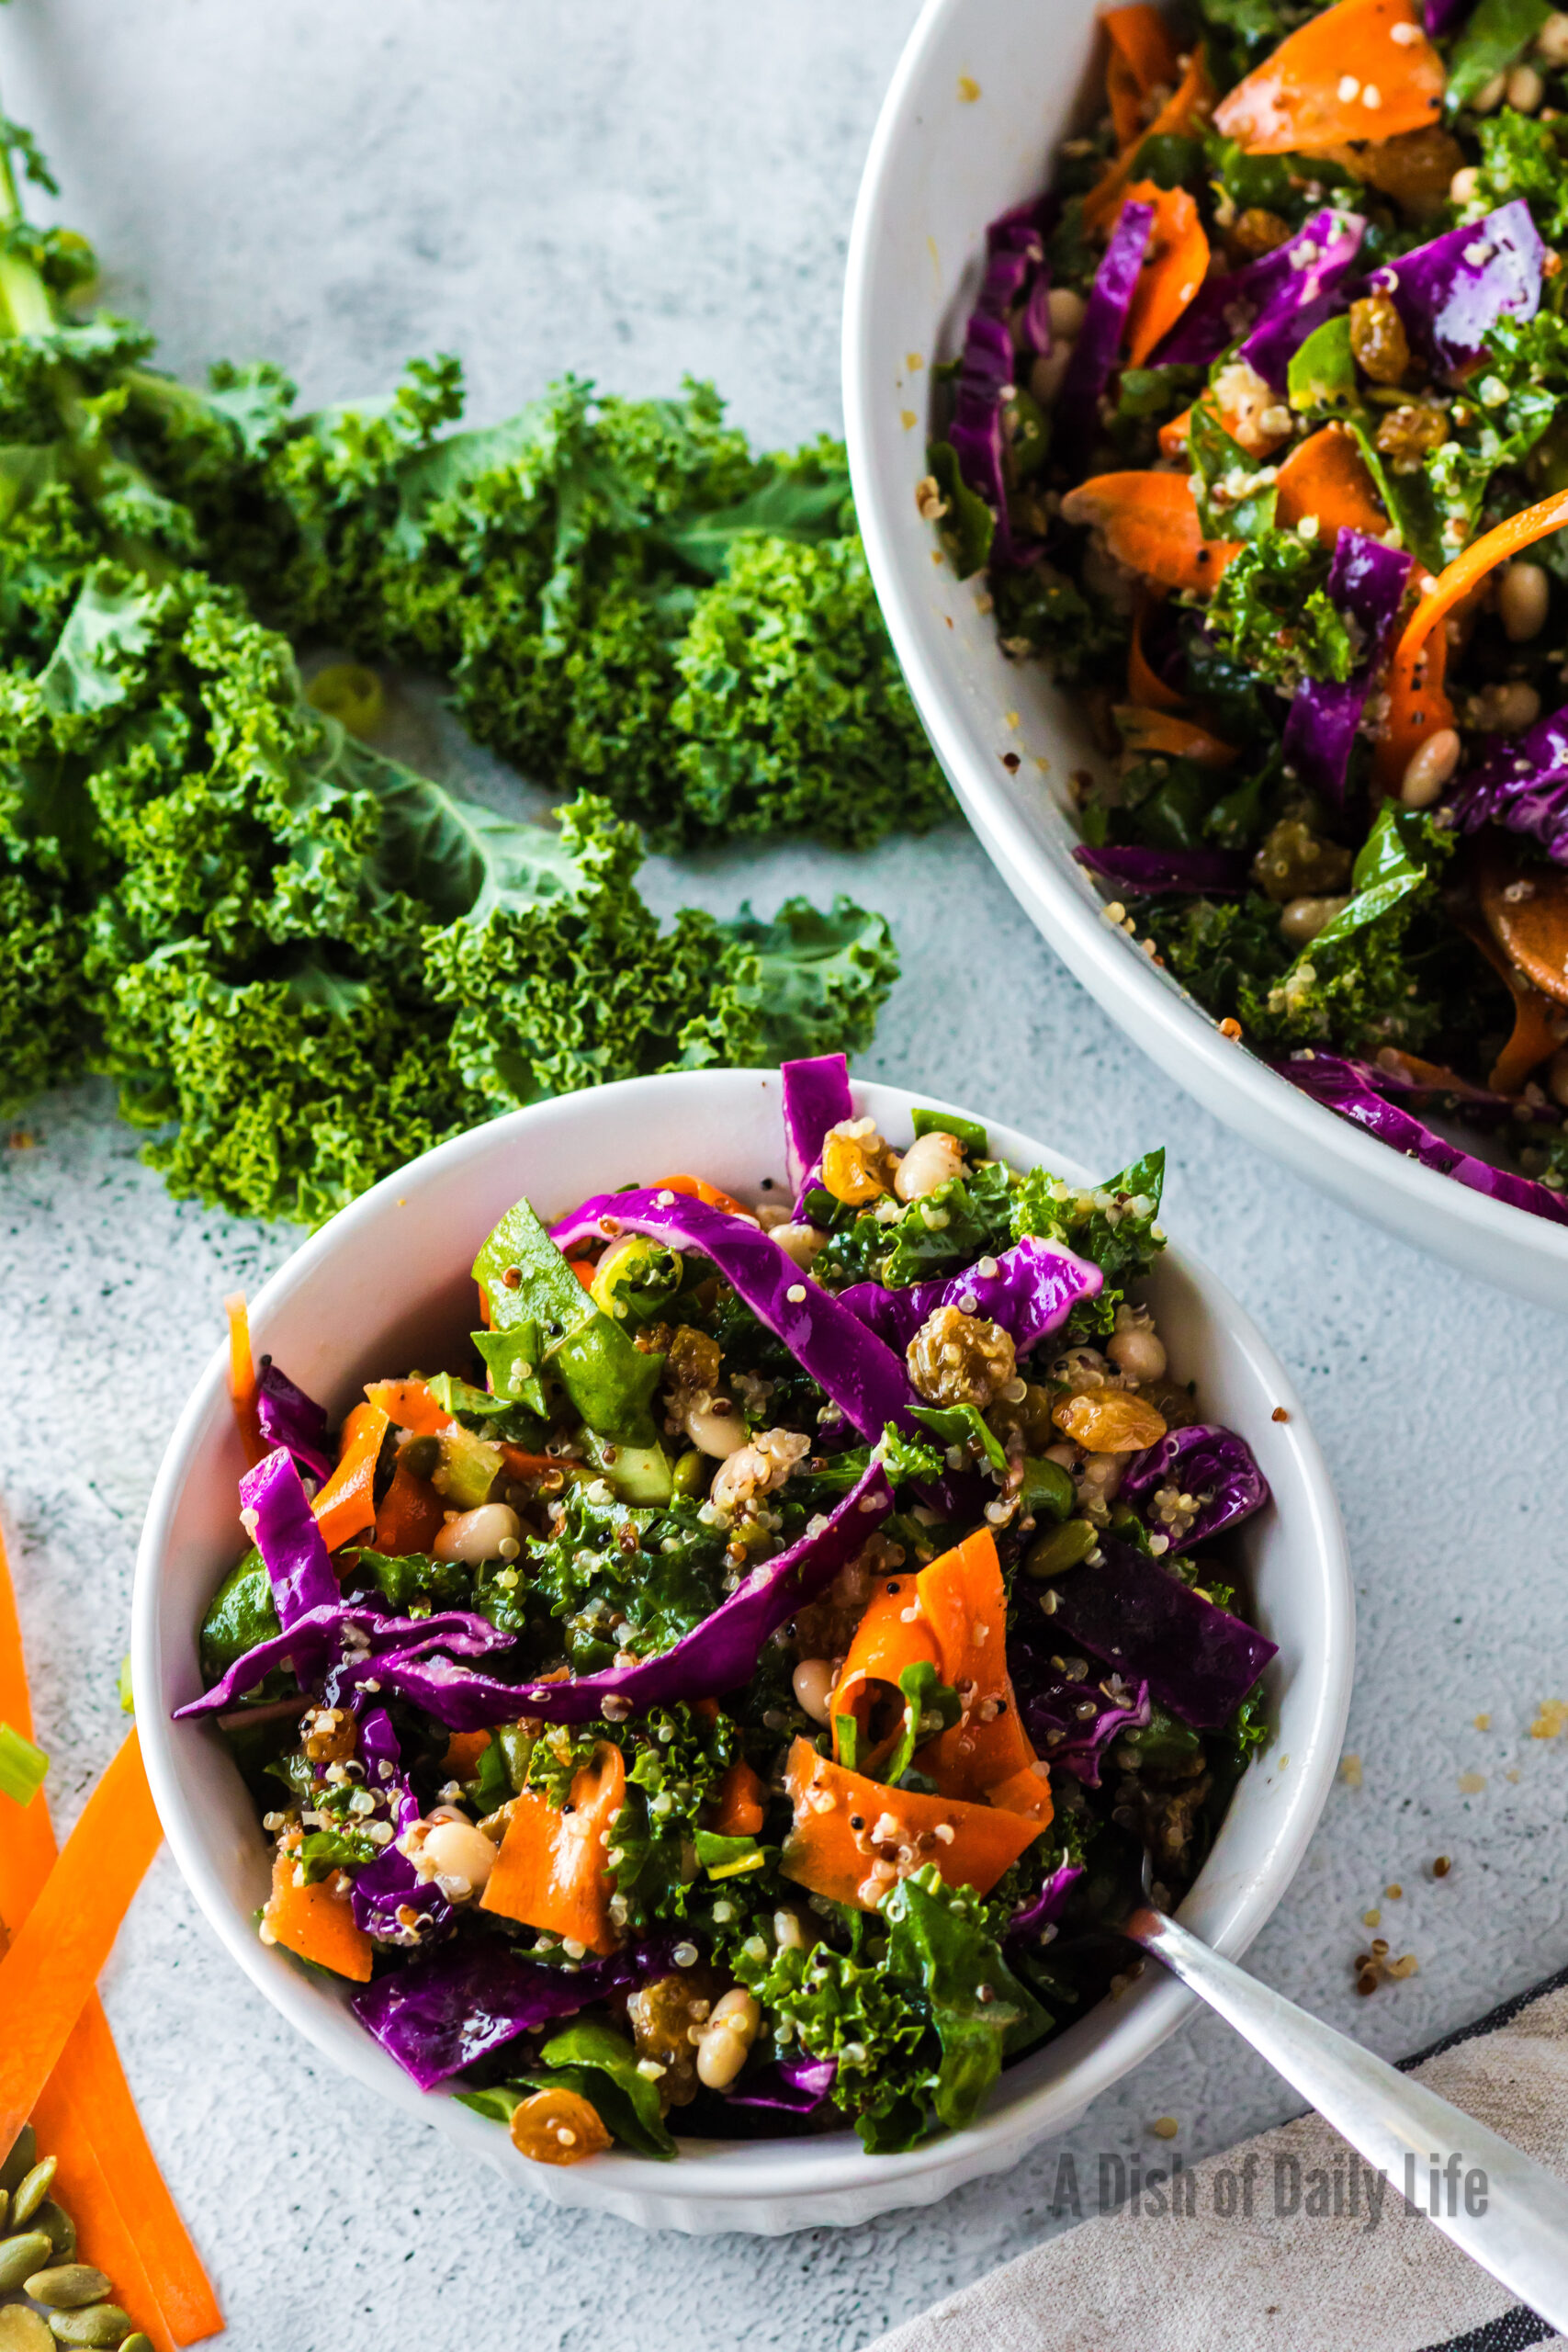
(984, 95)
(385, 1286)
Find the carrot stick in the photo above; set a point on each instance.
(346, 1505)
(87, 2116)
(1145, 686)
(1533, 1040)
(315, 1922)
(1362, 69)
(1177, 739)
(550, 1871)
(1483, 555)
(408, 1405)
(1187, 109)
(740, 1799)
(1176, 261)
(242, 1378)
(410, 1515)
(1327, 476)
(1417, 707)
(1150, 522)
(891, 1637)
(58, 1952)
(964, 1602)
(1142, 56)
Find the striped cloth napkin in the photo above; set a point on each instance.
(1319, 2254)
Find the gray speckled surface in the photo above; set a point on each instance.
(634, 190)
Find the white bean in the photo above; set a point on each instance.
(1524, 593)
(1045, 373)
(458, 1850)
(813, 1682)
(1490, 95)
(727, 2036)
(1552, 41)
(1065, 311)
(711, 1431)
(931, 1161)
(1465, 184)
(801, 1242)
(1429, 768)
(1526, 90)
(1300, 920)
(476, 1535)
(1139, 1352)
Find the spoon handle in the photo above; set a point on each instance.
(1521, 2236)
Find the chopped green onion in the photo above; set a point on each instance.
(22, 1766)
(732, 1870)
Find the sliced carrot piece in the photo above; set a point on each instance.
(585, 1269)
(1362, 69)
(1327, 476)
(1533, 1040)
(551, 1871)
(85, 2116)
(1187, 108)
(1175, 435)
(1150, 522)
(1494, 547)
(892, 1636)
(409, 1405)
(1145, 685)
(964, 1602)
(1175, 262)
(1142, 58)
(698, 1187)
(242, 1377)
(316, 1923)
(464, 1749)
(346, 1505)
(58, 1952)
(739, 1800)
(409, 1516)
(1177, 739)
(824, 1853)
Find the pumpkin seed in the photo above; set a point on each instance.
(20, 2257)
(22, 2330)
(22, 2158)
(31, 2190)
(60, 2227)
(66, 2286)
(100, 2324)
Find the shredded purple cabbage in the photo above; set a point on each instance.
(1138, 1618)
(1440, 17)
(286, 1415)
(391, 1900)
(358, 1633)
(1033, 1290)
(1051, 1707)
(789, 2086)
(1366, 586)
(1274, 303)
(1520, 782)
(815, 1097)
(1099, 345)
(1451, 293)
(716, 1655)
(1352, 1089)
(1154, 873)
(1213, 1465)
(1029, 1924)
(862, 1374)
(1009, 314)
(278, 1517)
(437, 2016)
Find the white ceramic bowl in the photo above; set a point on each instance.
(387, 1284)
(943, 163)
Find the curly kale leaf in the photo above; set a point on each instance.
(1271, 614)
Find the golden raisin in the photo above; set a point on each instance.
(1378, 339)
(1292, 862)
(1110, 1420)
(1408, 432)
(958, 1359)
(1258, 232)
(1415, 168)
(695, 1359)
(858, 1165)
(662, 2016)
(558, 2127)
(1031, 1416)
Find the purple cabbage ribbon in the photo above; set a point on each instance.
(1052, 1706)
(1366, 586)
(815, 1097)
(390, 1884)
(360, 1632)
(789, 2086)
(277, 1515)
(1273, 304)
(1521, 783)
(1353, 1089)
(438, 2014)
(1197, 1660)
(858, 1371)
(1451, 293)
(1098, 343)
(1156, 873)
(1212, 1464)
(716, 1655)
(1029, 1924)
(1033, 1290)
(1009, 314)
(286, 1415)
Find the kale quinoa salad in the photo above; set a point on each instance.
(1257, 436)
(746, 1694)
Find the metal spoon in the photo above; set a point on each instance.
(1521, 2237)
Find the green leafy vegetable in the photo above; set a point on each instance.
(22, 1767)
(1498, 32)
(1271, 613)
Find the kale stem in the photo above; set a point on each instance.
(26, 298)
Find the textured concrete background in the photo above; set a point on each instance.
(634, 191)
